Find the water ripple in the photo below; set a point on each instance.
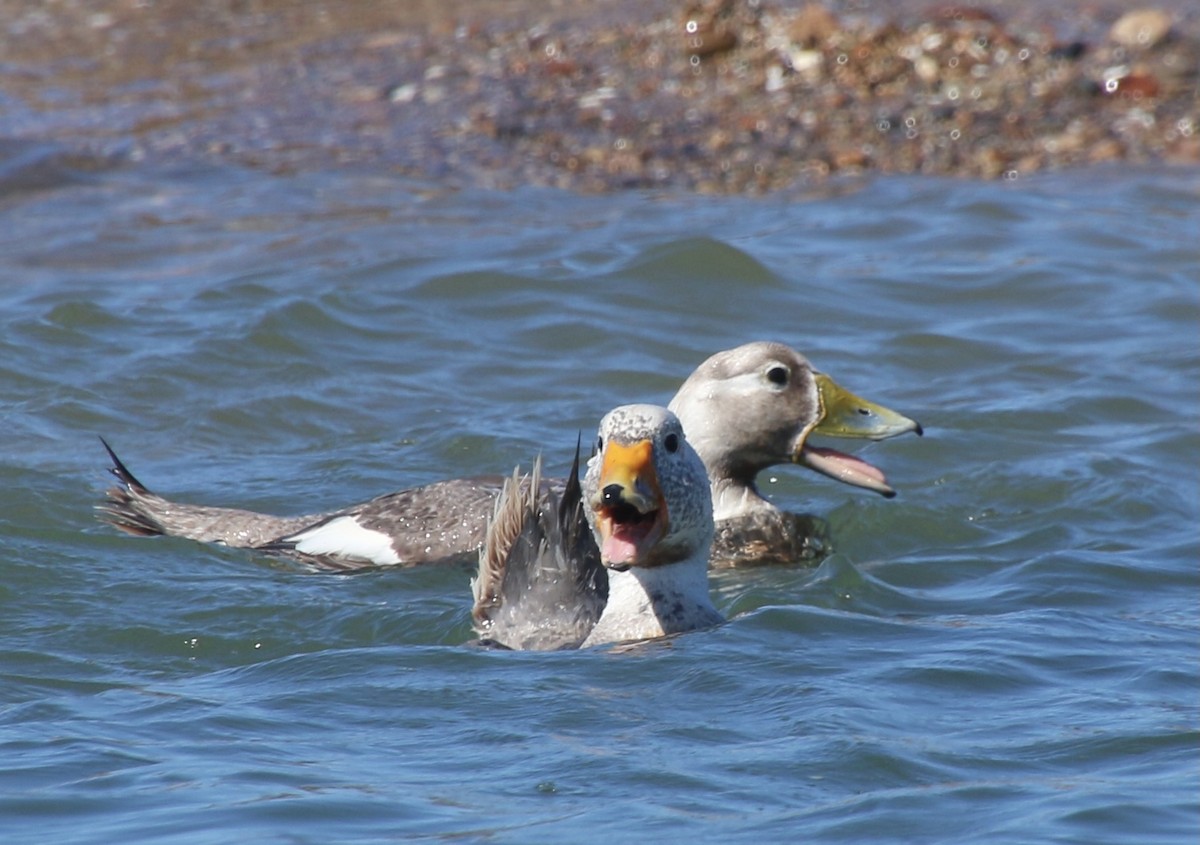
(1006, 651)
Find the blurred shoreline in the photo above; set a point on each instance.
(710, 96)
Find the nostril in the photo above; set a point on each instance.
(612, 494)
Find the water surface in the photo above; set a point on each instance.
(1005, 652)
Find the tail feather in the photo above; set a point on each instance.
(540, 583)
(121, 472)
(514, 509)
(131, 507)
(120, 507)
(576, 534)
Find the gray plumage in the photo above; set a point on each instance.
(132, 508)
(540, 584)
(439, 523)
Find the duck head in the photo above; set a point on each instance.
(646, 491)
(756, 406)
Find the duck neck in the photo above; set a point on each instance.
(647, 602)
(736, 497)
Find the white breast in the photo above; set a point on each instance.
(652, 602)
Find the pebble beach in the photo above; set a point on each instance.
(711, 96)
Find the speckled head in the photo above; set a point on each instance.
(648, 496)
(755, 406)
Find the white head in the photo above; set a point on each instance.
(646, 492)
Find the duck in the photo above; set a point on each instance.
(621, 558)
(745, 409)
(756, 406)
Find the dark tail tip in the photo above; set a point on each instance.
(573, 492)
(120, 471)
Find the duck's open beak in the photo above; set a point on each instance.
(631, 512)
(842, 414)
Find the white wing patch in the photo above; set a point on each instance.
(344, 537)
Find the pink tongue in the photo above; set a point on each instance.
(618, 549)
(845, 468)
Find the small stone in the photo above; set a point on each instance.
(405, 93)
(1108, 149)
(1138, 85)
(1141, 28)
(385, 41)
(560, 67)
(1063, 143)
(990, 163)
(926, 68)
(713, 41)
(707, 39)
(774, 81)
(1070, 51)
(850, 158)
(1029, 164)
(813, 26)
(806, 62)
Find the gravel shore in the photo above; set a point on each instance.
(710, 96)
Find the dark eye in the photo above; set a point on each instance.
(599, 444)
(778, 375)
(672, 443)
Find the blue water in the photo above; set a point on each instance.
(1007, 652)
